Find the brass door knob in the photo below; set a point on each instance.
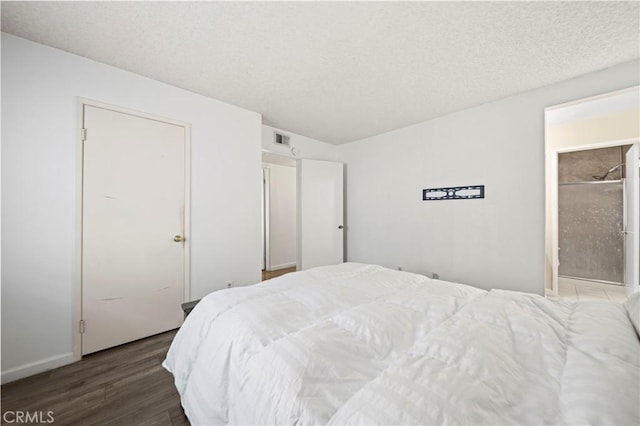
(178, 238)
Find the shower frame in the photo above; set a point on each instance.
(621, 232)
(553, 188)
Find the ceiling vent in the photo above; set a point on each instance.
(281, 139)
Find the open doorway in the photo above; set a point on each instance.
(279, 215)
(591, 224)
(583, 132)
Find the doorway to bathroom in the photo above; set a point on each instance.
(596, 143)
(591, 223)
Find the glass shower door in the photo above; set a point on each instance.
(590, 221)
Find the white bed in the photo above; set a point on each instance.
(362, 344)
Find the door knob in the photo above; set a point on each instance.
(340, 226)
(178, 238)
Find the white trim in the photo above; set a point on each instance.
(263, 226)
(283, 266)
(626, 102)
(129, 111)
(554, 223)
(36, 367)
(632, 278)
(267, 218)
(299, 214)
(76, 315)
(596, 145)
(592, 98)
(77, 298)
(282, 154)
(187, 212)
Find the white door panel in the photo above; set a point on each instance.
(632, 217)
(320, 213)
(133, 206)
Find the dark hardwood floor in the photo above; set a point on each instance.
(126, 385)
(267, 275)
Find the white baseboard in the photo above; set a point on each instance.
(36, 367)
(283, 266)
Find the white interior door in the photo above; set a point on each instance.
(320, 213)
(632, 217)
(133, 211)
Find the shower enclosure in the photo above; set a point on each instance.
(590, 215)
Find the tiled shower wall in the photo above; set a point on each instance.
(590, 215)
(581, 166)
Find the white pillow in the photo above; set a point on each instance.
(633, 309)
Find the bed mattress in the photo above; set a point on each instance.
(363, 344)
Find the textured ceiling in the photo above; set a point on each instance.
(341, 71)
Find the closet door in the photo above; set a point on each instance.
(133, 224)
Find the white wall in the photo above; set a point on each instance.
(39, 89)
(496, 242)
(282, 217)
(304, 147)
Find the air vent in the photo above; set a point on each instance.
(281, 139)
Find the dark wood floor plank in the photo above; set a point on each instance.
(178, 418)
(159, 419)
(126, 385)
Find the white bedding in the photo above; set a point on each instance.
(362, 344)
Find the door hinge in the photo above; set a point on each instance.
(81, 327)
(83, 134)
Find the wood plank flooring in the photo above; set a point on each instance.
(125, 385)
(267, 275)
(122, 386)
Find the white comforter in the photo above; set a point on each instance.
(362, 344)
